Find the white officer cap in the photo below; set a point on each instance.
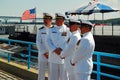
(47, 15)
(74, 21)
(86, 23)
(59, 15)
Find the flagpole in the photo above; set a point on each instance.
(35, 21)
(35, 28)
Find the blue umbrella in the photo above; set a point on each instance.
(93, 8)
(99, 8)
(78, 11)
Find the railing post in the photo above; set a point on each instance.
(9, 55)
(98, 66)
(112, 30)
(29, 55)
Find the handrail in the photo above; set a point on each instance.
(29, 49)
(107, 54)
(97, 62)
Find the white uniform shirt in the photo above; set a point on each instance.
(70, 50)
(57, 38)
(83, 56)
(41, 44)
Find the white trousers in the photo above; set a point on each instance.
(72, 77)
(57, 72)
(71, 73)
(82, 76)
(41, 70)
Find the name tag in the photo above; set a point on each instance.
(43, 33)
(54, 32)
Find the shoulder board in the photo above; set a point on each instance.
(41, 28)
(52, 27)
(78, 42)
(68, 40)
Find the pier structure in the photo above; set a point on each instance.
(109, 29)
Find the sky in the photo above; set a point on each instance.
(17, 7)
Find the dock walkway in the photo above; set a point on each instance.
(7, 76)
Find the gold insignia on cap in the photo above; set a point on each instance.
(45, 15)
(59, 16)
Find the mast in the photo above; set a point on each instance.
(35, 27)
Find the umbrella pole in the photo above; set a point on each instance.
(102, 23)
(78, 16)
(94, 25)
(88, 17)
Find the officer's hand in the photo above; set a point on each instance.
(58, 51)
(46, 55)
(72, 63)
(62, 57)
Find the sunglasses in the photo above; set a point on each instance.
(72, 23)
(86, 25)
(47, 18)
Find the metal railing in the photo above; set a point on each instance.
(98, 55)
(29, 50)
(99, 64)
(108, 30)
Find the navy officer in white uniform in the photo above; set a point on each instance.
(56, 40)
(69, 50)
(82, 59)
(43, 51)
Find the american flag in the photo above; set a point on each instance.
(29, 14)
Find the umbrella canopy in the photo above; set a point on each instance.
(92, 8)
